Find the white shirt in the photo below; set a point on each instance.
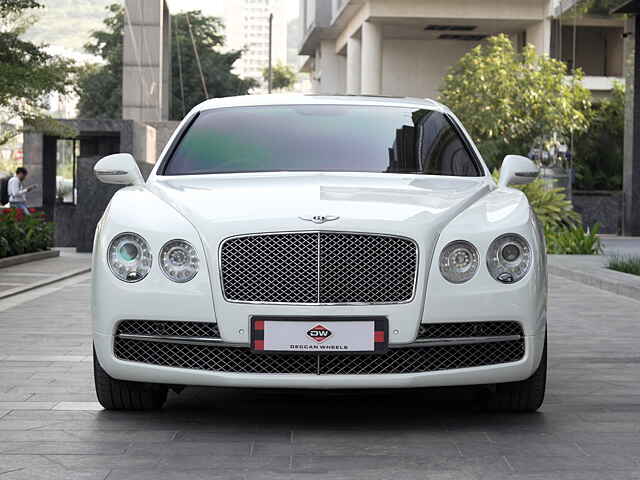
(17, 193)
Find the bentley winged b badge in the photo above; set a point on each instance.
(320, 218)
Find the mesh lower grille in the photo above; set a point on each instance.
(168, 329)
(318, 267)
(469, 329)
(243, 360)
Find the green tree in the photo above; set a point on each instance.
(510, 100)
(27, 73)
(99, 86)
(282, 77)
(216, 66)
(599, 150)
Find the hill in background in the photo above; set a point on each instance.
(68, 23)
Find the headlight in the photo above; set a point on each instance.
(179, 261)
(129, 257)
(509, 258)
(459, 261)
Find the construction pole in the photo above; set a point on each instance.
(270, 81)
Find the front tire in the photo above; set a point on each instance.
(524, 396)
(116, 394)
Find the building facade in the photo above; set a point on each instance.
(405, 47)
(247, 27)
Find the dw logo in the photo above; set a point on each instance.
(319, 333)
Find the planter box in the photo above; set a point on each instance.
(28, 257)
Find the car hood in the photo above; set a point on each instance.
(229, 204)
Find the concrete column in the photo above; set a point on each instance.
(371, 59)
(354, 64)
(631, 165)
(146, 69)
(539, 35)
(329, 70)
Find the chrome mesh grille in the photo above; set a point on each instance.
(366, 268)
(271, 268)
(243, 360)
(469, 329)
(318, 267)
(168, 328)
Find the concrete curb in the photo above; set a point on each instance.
(43, 283)
(617, 282)
(28, 257)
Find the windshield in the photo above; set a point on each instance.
(325, 138)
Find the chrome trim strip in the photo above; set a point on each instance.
(527, 174)
(111, 172)
(415, 276)
(170, 339)
(433, 342)
(428, 342)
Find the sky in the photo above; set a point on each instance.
(216, 7)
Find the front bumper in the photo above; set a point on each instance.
(488, 374)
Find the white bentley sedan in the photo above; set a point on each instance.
(319, 242)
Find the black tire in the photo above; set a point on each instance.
(116, 394)
(524, 396)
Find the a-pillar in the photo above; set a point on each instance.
(354, 65)
(371, 59)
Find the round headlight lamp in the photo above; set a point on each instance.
(179, 261)
(459, 261)
(129, 257)
(509, 258)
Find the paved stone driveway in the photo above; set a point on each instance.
(589, 428)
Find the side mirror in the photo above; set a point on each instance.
(119, 168)
(517, 170)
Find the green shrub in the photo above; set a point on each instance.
(21, 233)
(550, 204)
(511, 98)
(599, 150)
(627, 264)
(574, 240)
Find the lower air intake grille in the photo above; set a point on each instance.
(412, 359)
(168, 329)
(469, 329)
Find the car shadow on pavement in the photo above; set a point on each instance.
(198, 408)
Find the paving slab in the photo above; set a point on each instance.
(592, 270)
(23, 277)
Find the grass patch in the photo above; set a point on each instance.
(625, 263)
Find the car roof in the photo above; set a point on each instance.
(300, 99)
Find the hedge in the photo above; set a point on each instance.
(20, 233)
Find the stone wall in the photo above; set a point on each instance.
(601, 207)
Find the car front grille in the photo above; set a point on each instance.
(168, 329)
(415, 358)
(319, 268)
(469, 329)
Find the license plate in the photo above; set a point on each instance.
(319, 334)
